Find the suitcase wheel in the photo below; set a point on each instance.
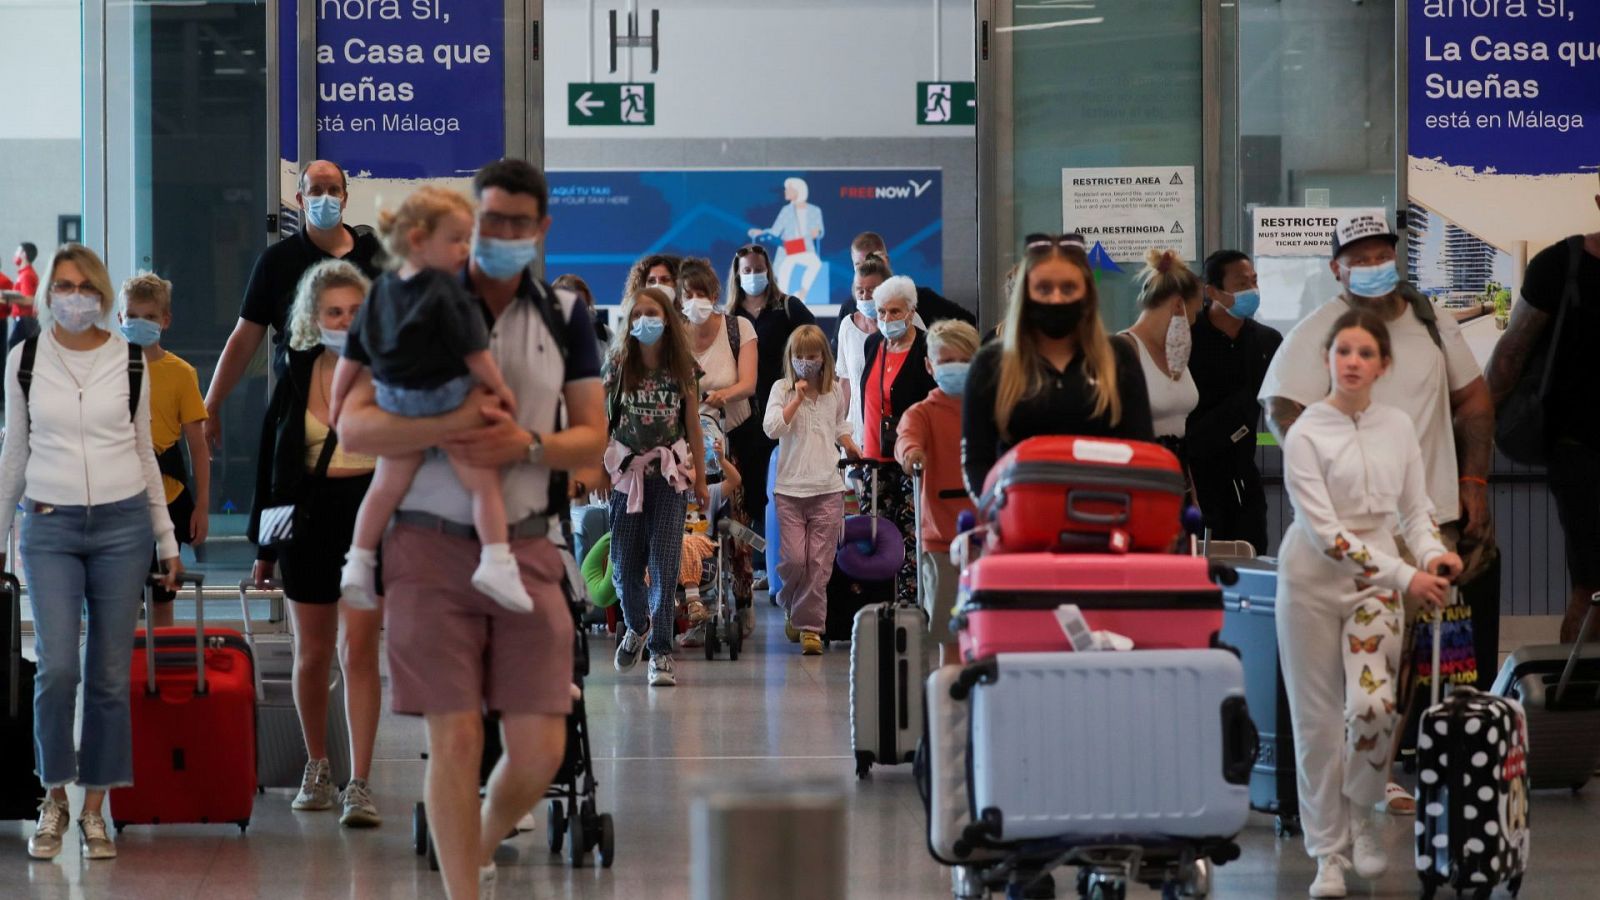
(419, 829)
(556, 819)
(244, 825)
(864, 761)
(1285, 826)
(608, 841)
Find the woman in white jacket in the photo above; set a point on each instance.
(78, 455)
(1354, 473)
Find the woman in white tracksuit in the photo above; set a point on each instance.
(1354, 473)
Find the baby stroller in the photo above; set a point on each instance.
(722, 627)
(572, 816)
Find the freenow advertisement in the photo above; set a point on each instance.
(406, 89)
(1503, 148)
(604, 220)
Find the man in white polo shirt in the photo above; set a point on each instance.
(453, 652)
(1434, 379)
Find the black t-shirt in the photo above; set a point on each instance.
(417, 332)
(1228, 372)
(773, 328)
(1064, 405)
(1572, 382)
(270, 291)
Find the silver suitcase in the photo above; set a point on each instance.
(280, 744)
(886, 666)
(942, 772)
(1152, 744)
(1559, 689)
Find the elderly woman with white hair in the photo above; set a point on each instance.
(301, 464)
(799, 227)
(893, 380)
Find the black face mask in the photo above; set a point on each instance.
(1053, 320)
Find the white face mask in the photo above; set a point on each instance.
(697, 310)
(1180, 340)
(335, 339)
(669, 290)
(75, 313)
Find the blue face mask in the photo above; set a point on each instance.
(868, 309)
(322, 212)
(894, 330)
(1372, 281)
(951, 377)
(647, 329)
(1245, 304)
(753, 282)
(141, 332)
(502, 258)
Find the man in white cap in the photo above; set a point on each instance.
(1434, 379)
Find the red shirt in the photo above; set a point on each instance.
(876, 406)
(27, 281)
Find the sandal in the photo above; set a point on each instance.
(1397, 801)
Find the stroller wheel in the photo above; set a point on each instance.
(556, 819)
(419, 829)
(735, 638)
(576, 850)
(713, 636)
(608, 841)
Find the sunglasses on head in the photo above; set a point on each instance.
(1039, 243)
(748, 249)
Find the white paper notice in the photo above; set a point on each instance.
(1298, 231)
(1131, 209)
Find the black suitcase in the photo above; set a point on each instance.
(20, 790)
(1559, 690)
(1249, 624)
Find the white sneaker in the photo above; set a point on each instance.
(94, 841)
(358, 579)
(317, 790)
(1368, 853)
(629, 649)
(45, 843)
(1330, 876)
(695, 637)
(661, 672)
(359, 810)
(497, 575)
(486, 879)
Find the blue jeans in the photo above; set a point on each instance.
(652, 540)
(420, 403)
(76, 557)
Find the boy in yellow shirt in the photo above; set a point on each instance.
(176, 410)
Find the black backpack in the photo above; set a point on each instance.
(30, 349)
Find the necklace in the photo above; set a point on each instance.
(66, 365)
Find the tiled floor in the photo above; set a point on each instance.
(771, 715)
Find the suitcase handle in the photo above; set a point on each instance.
(1241, 742)
(245, 586)
(198, 580)
(14, 651)
(1572, 661)
(1093, 518)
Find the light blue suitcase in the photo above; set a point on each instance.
(1151, 744)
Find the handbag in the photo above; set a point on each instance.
(1521, 427)
(277, 522)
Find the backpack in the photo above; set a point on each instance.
(30, 349)
(730, 324)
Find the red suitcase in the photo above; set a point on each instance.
(1008, 601)
(1079, 494)
(194, 726)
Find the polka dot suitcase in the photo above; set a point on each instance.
(1472, 801)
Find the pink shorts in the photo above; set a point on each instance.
(452, 649)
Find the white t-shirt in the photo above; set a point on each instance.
(852, 345)
(1419, 384)
(721, 370)
(1170, 401)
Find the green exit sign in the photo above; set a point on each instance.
(947, 103)
(611, 103)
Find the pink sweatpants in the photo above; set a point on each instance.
(808, 536)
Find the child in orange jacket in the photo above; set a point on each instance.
(930, 437)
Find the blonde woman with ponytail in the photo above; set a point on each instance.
(1054, 369)
(1169, 303)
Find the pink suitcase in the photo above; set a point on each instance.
(1008, 602)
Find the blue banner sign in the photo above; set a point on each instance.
(605, 220)
(1510, 87)
(405, 88)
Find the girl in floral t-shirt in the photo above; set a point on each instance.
(652, 392)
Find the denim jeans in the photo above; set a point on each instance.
(417, 403)
(78, 557)
(649, 541)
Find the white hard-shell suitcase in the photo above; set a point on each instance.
(1145, 744)
(942, 772)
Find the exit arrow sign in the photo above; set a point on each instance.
(611, 103)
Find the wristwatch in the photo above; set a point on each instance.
(535, 449)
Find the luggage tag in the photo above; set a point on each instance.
(1070, 618)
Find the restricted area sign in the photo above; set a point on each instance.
(947, 103)
(1131, 209)
(611, 103)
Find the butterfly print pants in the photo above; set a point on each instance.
(1339, 640)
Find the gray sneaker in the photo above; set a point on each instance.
(487, 876)
(46, 840)
(629, 649)
(661, 671)
(317, 790)
(93, 840)
(359, 810)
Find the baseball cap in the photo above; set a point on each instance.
(1360, 227)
